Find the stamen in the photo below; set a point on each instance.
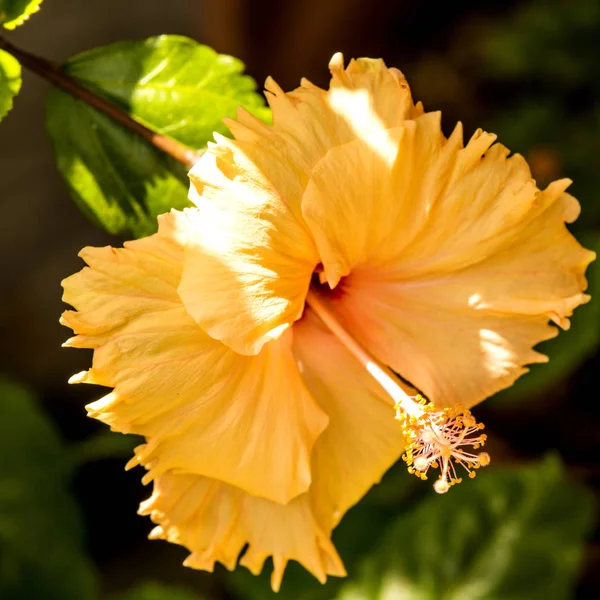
(442, 439)
(435, 439)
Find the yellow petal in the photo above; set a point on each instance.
(248, 421)
(366, 98)
(462, 336)
(353, 207)
(363, 440)
(453, 261)
(249, 255)
(399, 201)
(452, 352)
(215, 521)
(248, 260)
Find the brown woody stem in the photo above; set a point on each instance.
(53, 74)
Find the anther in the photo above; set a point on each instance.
(441, 486)
(420, 464)
(442, 439)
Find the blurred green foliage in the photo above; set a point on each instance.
(171, 84)
(510, 535)
(10, 81)
(42, 554)
(15, 12)
(547, 51)
(157, 591)
(42, 551)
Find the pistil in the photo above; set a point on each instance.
(435, 438)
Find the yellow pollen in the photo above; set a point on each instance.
(435, 439)
(484, 459)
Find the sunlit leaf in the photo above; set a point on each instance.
(172, 85)
(15, 12)
(10, 81)
(510, 535)
(114, 176)
(41, 550)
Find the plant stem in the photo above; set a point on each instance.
(53, 74)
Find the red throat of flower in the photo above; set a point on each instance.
(435, 438)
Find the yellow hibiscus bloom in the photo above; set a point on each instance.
(254, 339)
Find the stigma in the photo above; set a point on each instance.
(445, 439)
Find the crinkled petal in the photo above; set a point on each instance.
(450, 351)
(417, 201)
(363, 440)
(453, 261)
(203, 408)
(353, 206)
(461, 336)
(248, 260)
(364, 99)
(215, 521)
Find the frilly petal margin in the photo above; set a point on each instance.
(203, 408)
(470, 262)
(364, 98)
(250, 256)
(219, 481)
(215, 521)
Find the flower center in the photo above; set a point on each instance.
(435, 438)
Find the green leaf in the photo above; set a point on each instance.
(570, 348)
(10, 81)
(157, 591)
(41, 550)
(172, 85)
(509, 535)
(15, 12)
(115, 177)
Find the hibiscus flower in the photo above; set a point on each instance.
(256, 339)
